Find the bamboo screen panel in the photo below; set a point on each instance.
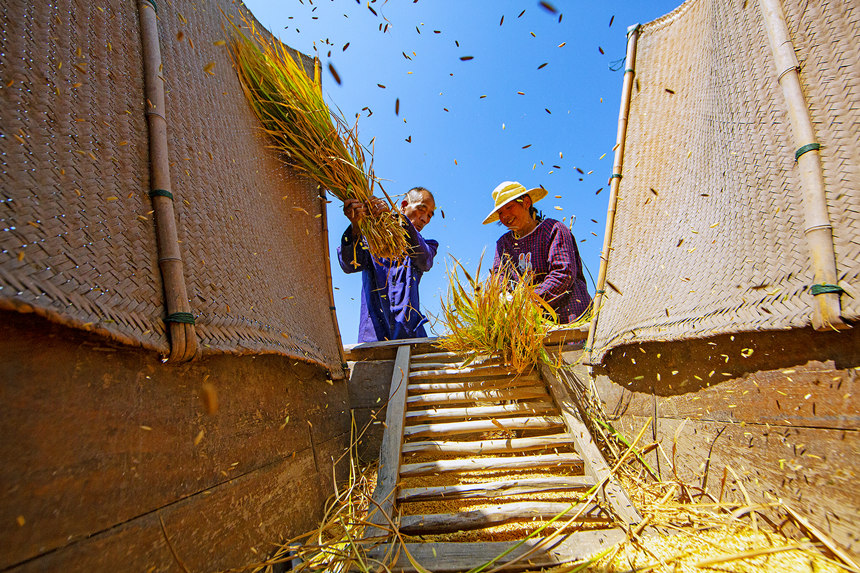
(709, 228)
(77, 242)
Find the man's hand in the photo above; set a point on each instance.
(356, 210)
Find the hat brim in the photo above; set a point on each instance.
(536, 195)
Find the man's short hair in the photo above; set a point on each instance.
(414, 194)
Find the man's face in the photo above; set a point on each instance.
(420, 211)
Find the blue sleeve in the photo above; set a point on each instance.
(351, 254)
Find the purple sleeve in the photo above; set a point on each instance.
(351, 255)
(562, 266)
(422, 251)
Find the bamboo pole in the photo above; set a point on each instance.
(183, 341)
(827, 310)
(614, 181)
(323, 211)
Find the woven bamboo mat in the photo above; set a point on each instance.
(709, 228)
(77, 242)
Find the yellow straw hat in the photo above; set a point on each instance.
(507, 191)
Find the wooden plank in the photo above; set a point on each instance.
(392, 440)
(450, 358)
(561, 335)
(527, 393)
(595, 464)
(458, 373)
(473, 426)
(452, 557)
(509, 445)
(429, 356)
(494, 489)
(457, 363)
(278, 501)
(484, 464)
(387, 349)
(496, 515)
(118, 437)
(480, 411)
(500, 383)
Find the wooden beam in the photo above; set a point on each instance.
(494, 489)
(480, 411)
(392, 440)
(478, 447)
(528, 393)
(453, 557)
(501, 383)
(387, 349)
(595, 464)
(496, 515)
(563, 335)
(473, 426)
(484, 464)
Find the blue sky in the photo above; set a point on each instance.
(466, 125)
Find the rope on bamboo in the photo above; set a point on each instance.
(161, 193)
(183, 317)
(806, 148)
(825, 288)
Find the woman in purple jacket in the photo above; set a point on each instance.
(541, 246)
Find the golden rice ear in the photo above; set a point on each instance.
(306, 134)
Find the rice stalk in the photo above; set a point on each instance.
(310, 137)
(496, 317)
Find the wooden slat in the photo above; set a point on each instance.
(480, 411)
(444, 356)
(595, 464)
(472, 426)
(484, 464)
(494, 489)
(392, 441)
(478, 447)
(484, 396)
(457, 363)
(456, 373)
(453, 557)
(496, 515)
(565, 334)
(480, 384)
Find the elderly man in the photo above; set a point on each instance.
(389, 290)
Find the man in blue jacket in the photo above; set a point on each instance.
(390, 307)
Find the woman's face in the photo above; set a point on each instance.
(515, 215)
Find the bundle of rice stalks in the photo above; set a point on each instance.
(308, 135)
(496, 317)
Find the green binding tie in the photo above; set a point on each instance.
(183, 317)
(161, 193)
(154, 5)
(614, 175)
(825, 288)
(805, 148)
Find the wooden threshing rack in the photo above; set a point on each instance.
(483, 419)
